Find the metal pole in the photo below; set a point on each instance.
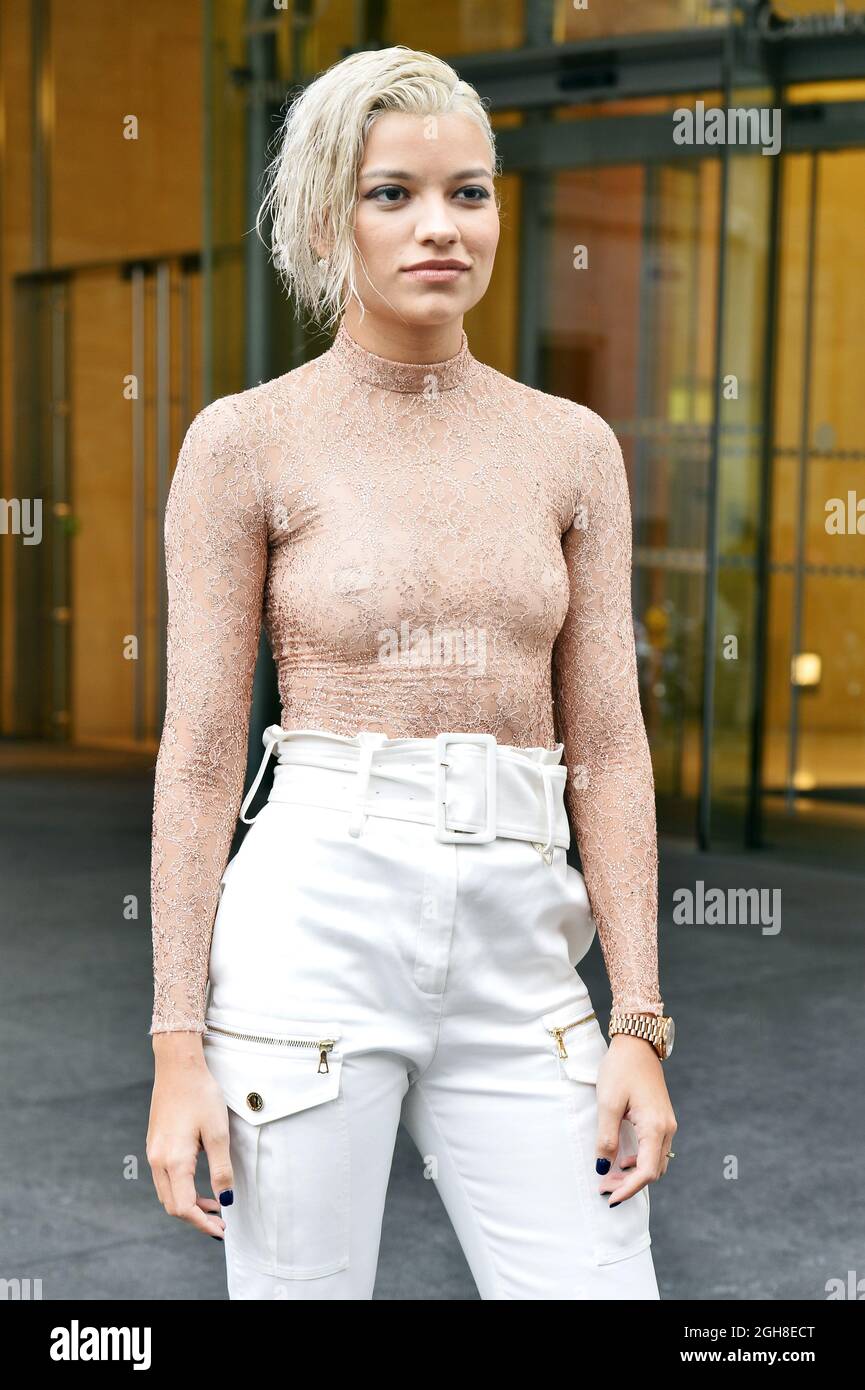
(163, 451)
(704, 803)
(754, 813)
(804, 446)
(138, 294)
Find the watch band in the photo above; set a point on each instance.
(655, 1030)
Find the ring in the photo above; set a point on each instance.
(671, 1154)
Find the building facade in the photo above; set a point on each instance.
(683, 204)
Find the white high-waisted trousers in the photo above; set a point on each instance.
(363, 971)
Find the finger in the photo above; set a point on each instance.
(623, 1188)
(609, 1119)
(611, 1185)
(162, 1183)
(216, 1147)
(186, 1204)
(614, 1178)
(203, 1221)
(212, 1208)
(645, 1170)
(665, 1152)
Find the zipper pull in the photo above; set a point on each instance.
(562, 1050)
(325, 1048)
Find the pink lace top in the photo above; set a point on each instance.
(364, 508)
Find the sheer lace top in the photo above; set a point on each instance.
(376, 515)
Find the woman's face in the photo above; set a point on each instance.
(425, 193)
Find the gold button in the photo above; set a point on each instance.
(254, 1101)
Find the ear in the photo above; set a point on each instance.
(321, 243)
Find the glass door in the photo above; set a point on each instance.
(627, 327)
(108, 359)
(813, 753)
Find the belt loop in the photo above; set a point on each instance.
(546, 774)
(272, 734)
(369, 741)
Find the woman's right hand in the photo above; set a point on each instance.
(187, 1112)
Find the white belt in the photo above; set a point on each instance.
(470, 788)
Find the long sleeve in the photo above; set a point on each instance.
(216, 562)
(610, 788)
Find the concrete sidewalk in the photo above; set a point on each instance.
(766, 1079)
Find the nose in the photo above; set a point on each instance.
(436, 222)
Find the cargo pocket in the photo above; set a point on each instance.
(289, 1144)
(576, 1040)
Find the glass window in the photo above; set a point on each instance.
(627, 328)
(814, 747)
(575, 20)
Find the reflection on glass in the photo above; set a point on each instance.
(814, 754)
(457, 26)
(584, 19)
(630, 334)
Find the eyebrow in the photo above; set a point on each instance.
(479, 172)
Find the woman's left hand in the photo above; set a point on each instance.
(631, 1086)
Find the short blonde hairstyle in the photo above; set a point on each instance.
(311, 183)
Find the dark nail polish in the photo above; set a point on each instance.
(226, 1198)
(615, 1204)
(219, 1238)
(602, 1165)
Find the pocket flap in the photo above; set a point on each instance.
(581, 1037)
(584, 1066)
(262, 1082)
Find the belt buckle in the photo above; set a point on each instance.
(465, 836)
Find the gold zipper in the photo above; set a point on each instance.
(557, 1032)
(324, 1045)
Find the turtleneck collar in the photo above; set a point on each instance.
(359, 362)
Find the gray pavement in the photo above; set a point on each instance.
(763, 1201)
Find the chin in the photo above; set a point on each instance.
(433, 309)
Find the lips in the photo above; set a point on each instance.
(437, 265)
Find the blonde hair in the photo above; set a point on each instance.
(311, 183)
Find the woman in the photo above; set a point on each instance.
(436, 550)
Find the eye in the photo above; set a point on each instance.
(391, 194)
(386, 188)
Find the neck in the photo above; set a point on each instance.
(422, 375)
(404, 342)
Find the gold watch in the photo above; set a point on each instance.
(660, 1032)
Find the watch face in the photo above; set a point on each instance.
(669, 1036)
